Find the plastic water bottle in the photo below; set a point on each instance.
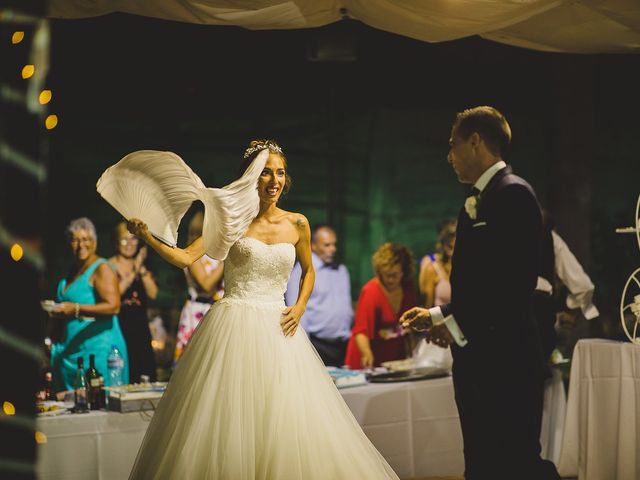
(115, 365)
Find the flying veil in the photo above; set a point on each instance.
(158, 188)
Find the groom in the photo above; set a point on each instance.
(498, 369)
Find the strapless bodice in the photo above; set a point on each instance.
(258, 272)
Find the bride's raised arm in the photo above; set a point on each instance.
(158, 187)
(180, 257)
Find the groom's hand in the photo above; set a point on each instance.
(439, 335)
(419, 319)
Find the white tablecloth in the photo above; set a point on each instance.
(97, 445)
(414, 425)
(602, 429)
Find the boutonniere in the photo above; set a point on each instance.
(471, 206)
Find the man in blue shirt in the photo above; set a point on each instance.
(329, 313)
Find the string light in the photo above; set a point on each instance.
(28, 71)
(45, 97)
(8, 408)
(51, 122)
(17, 37)
(16, 252)
(41, 437)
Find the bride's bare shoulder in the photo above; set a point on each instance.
(298, 220)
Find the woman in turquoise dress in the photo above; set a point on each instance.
(90, 301)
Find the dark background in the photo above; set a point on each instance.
(364, 118)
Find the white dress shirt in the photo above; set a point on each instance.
(573, 276)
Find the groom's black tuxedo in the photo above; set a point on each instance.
(498, 375)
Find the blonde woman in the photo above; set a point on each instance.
(435, 269)
(376, 336)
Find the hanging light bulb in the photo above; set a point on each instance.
(16, 252)
(8, 408)
(45, 97)
(17, 37)
(51, 122)
(28, 71)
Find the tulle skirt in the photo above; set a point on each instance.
(246, 402)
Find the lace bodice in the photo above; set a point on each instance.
(258, 272)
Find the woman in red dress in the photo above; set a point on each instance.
(376, 336)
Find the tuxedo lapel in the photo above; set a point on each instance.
(462, 233)
(467, 257)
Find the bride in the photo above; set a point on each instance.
(250, 398)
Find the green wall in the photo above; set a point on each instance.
(366, 141)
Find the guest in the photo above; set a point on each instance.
(544, 305)
(564, 293)
(205, 286)
(376, 336)
(137, 287)
(90, 302)
(329, 313)
(435, 269)
(433, 280)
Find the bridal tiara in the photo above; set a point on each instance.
(274, 148)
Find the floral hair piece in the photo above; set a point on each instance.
(262, 146)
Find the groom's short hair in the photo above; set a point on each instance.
(487, 122)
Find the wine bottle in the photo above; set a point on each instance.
(94, 385)
(80, 389)
(48, 387)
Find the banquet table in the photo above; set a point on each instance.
(602, 430)
(414, 425)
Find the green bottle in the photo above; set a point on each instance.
(80, 389)
(94, 385)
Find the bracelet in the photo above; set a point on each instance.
(77, 310)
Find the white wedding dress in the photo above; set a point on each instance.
(246, 402)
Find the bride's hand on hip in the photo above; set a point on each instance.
(290, 320)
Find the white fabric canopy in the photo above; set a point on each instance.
(575, 26)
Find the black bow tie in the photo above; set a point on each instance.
(474, 191)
